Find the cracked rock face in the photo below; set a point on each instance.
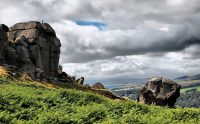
(30, 46)
(159, 91)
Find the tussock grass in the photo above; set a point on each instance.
(3, 72)
(25, 78)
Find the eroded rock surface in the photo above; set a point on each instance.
(159, 91)
(98, 85)
(35, 45)
(80, 81)
(32, 47)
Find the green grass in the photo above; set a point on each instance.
(188, 81)
(32, 103)
(186, 89)
(183, 90)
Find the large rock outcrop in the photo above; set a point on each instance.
(159, 91)
(31, 47)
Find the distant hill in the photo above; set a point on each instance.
(117, 82)
(186, 77)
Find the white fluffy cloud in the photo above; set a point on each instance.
(88, 43)
(137, 66)
(142, 38)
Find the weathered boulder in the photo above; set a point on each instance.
(159, 91)
(4, 27)
(60, 69)
(64, 77)
(35, 45)
(80, 81)
(24, 62)
(98, 85)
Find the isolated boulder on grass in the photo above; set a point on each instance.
(159, 91)
(98, 86)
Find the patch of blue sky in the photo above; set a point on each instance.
(99, 25)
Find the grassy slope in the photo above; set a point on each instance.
(186, 89)
(188, 81)
(22, 102)
(183, 90)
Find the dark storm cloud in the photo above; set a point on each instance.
(192, 52)
(123, 19)
(94, 45)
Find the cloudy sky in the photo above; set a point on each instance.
(118, 38)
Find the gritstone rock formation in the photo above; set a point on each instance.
(33, 48)
(160, 91)
(98, 85)
(36, 48)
